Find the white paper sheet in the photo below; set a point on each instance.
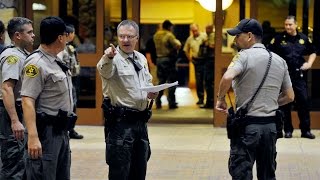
(159, 87)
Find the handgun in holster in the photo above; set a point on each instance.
(235, 122)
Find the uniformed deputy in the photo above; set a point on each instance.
(12, 59)
(69, 57)
(47, 105)
(123, 72)
(167, 46)
(257, 138)
(292, 46)
(2, 35)
(191, 49)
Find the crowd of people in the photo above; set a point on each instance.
(39, 94)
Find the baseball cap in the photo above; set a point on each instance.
(247, 25)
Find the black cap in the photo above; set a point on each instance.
(247, 25)
(69, 28)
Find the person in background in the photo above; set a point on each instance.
(292, 46)
(167, 46)
(207, 51)
(48, 105)
(2, 35)
(268, 33)
(191, 48)
(69, 57)
(126, 109)
(12, 59)
(257, 136)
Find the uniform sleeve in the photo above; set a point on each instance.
(211, 40)
(33, 81)
(174, 41)
(286, 79)
(186, 47)
(238, 62)
(10, 68)
(310, 47)
(105, 66)
(273, 45)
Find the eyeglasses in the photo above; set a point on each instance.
(129, 37)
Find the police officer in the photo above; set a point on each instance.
(167, 47)
(292, 45)
(191, 49)
(124, 71)
(69, 57)
(47, 105)
(257, 138)
(2, 35)
(12, 59)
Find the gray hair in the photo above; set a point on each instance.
(129, 23)
(15, 25)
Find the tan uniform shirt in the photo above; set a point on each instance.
(192, 44)
(11, 65)
(121, 83)
(165, 43)
(44, 81)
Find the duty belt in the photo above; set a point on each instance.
(260, 120)
(130, 113)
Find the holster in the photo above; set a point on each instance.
(236, 122)
(279, 122)
(108, 115)
(59, 123)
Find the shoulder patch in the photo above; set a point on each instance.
(235, 58)
(31, 71)
(272, 41)
(12, 59)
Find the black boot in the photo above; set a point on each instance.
(74, 135)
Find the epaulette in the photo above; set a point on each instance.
(7, 47)
(36, 51)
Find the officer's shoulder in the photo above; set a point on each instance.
(303, 36)
(35, 55)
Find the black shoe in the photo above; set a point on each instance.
(158, 106)
(279, 135)
(207, 106)
(200, 102)
(288, 134)
(74, 135)
(308, 135)
(174, 106)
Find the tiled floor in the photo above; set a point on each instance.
(192, 151)
(185, 146)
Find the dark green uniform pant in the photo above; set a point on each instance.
(127, 150)
(12, 150)
(56, 157)
(257, 144)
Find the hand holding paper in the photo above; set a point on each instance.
(159, 87)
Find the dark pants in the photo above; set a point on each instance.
(204, 71)
(75, 93)
(199, 68)
(209, 80)
(56, 157)
(257, 144)
(127, 149)
(12, 150)
(167, 73)
(301, 103)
